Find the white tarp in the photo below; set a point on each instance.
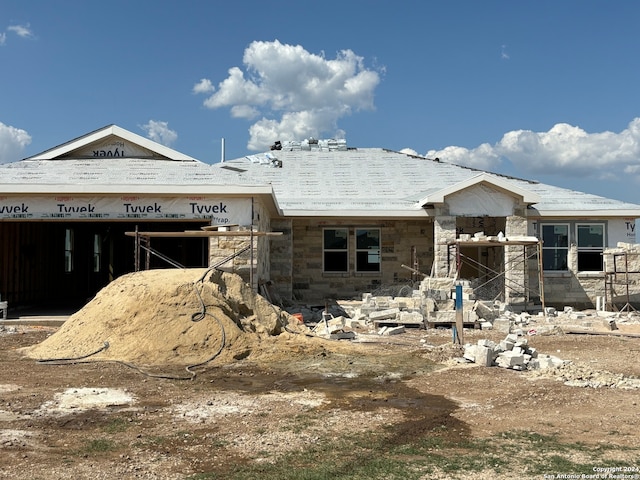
(220, 211)
(480, 200)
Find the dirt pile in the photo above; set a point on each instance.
(168, 317)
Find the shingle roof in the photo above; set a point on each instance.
(322, 180)
(376, 181)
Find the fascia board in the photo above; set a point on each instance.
(51, 189)
(627, 213)
(356, 213)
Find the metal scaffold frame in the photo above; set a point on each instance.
(611, 280)
(521, 260)
(143, 242)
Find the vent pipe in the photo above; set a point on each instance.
(222, 150)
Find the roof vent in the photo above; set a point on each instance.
(277, 145)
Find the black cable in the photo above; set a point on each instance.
(70, 360)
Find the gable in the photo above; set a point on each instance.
(481, 200)
(111, 142)
(483, 194)
(111, 147)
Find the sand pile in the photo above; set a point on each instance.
(154, 317)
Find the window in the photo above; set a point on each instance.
(335, 246)
(368, 250)
(68, 250)
(555, 247)
(590, 247)
(97, 252)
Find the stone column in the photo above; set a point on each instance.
(444, 231)
(516, 277)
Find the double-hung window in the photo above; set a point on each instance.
(590, 247)
(555, 247)
(335, 250)
(367, 250)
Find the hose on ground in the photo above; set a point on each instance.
(195, 317)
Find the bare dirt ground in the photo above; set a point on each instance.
(285, 393)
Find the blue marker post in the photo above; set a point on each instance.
(457, 328)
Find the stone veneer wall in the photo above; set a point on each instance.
(310, 284)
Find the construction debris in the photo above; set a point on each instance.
(513, 352)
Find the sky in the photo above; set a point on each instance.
(544, 90)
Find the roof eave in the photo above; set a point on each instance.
(626, 213)
(24, 189)
(421, 213)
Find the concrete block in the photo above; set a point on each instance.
(512, 337)
(509, 359)
(484, 356)
(486, 326)
(411, 317)
(442, 316)
(394, 330)
(384, 314)
(506, 346)
(382, 330)
(502, 325)
(486, 343)
(470, 353)
(382, 302)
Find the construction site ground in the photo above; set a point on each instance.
(293, 406)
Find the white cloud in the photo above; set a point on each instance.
(306, 93)
(564, 149)
(244, 111)
(21, 30)
(160, 132)
(203, 86)
(503, 53)
(12, 143)
(409, 151)
(3, 38)
(483, 157)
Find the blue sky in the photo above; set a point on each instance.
(543, 90)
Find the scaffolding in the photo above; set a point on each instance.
(143, 244)
(618, 275)
(531, 249)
